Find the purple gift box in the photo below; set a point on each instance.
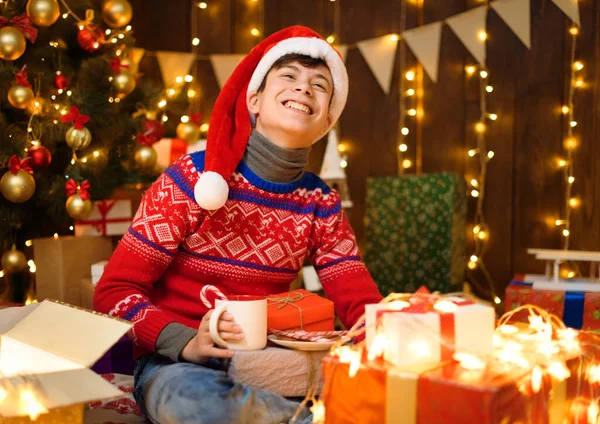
(118, 360)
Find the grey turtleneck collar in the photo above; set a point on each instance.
(272, 162)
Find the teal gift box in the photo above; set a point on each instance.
(415, 232)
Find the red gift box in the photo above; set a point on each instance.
(299, 310)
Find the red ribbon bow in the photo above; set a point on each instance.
(74, 115)
(84, 189)
(23, 24)
(15, 165)
(21, 77)
(146, 140)
(116, 65)
(195, 118)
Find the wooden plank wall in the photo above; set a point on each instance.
(525, 187)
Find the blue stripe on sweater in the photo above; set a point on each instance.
(149, 243)
(240, 263)
(182, 182)
(134, 310)
(337, 261)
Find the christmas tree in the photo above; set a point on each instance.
(76, 122)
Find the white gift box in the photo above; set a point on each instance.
(108, 218)
(431, 332)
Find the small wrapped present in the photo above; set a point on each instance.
(415, 232)
(171, 149)
(428, 329)
(286, 372)
(63, 261)
(299, 310)
(108, 218)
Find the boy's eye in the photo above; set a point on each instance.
(288, 76)
(319, 86)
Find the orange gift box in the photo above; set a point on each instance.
(445, 394)
(299, 310)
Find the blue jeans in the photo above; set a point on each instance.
(180, 393)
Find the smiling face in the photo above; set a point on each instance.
(292, 104)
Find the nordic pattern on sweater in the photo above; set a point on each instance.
(255, 244)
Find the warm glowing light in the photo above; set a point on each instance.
(475, 193)
(406, 163)
(165, 118)
(560, 222)
(2, 394)
(573, 124)
(483, 74)
(571, 180)
(592, 413)
(71, 228)
(445, 306)
(191, 92)
(480, 127)
(331, 39)
(398, 305)
(377, 347)
(594, 374)
(559, 371)
(28, 243)
(318, 412)
(341, 147)
(490, 154)
(202, 5)
(343, 163)
(536, 379)
(185, 119)
(571, 274)
(470, 70)
(410, 92)
(566, 233)
(482, 35)
(578, 83)
(469, 361)
(482, 235)
(473, 152)
(405, 131)
(403, 147)
(565, 110)
(571, 143)
(179, 79)
(420, 349)
(33, 407)
(171, 92)
(65, 15)
(410, 75)
(574, 202)
(1, 273)
(394, 37)
(255, 32)
(162, 103)
(412, 112)
(189, 78)
(96, 153)
(195, 41)
(472, 265)
(573, 30)
(508, 329)
(204, 127)
(476, 229)
(578, 66)
(475, 183)
(493, 116)
(489, 88)
(562, 163)
(474, 258)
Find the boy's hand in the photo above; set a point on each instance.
(200, 348)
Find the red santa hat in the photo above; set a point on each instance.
(231, 122)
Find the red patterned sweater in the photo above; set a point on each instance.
(255, 244)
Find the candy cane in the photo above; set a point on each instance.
(305, 337)
(213, 289)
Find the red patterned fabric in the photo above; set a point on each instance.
(255, 244)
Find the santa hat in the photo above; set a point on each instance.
(230, 123)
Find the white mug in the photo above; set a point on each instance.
(250, 313)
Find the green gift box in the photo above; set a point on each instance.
(415, 232)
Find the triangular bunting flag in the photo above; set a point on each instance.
(224, 64)
(343, 49)
(469, 27)
(569, 8)
(331, 169)
(173, 65)
(379, 54)
(425, 43)
(137, 54)
(516, 14)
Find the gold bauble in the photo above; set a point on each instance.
(43, 12)
(14, 261)
(17, 188)
(188, 131)
(78, 139)
(124, 83)
(12, 43)
(77, 208)
(145, 158)
(20, 96)
(117, 13)
(38, 106)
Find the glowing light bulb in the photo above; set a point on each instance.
(341, 147)
(202, 5)
(331, 39)
(483, 74)
(476, 229)
(565, 110)
(179, 79)
(571, 143)
(410, 75)
(255, 32)
(377, 347)
(578, 83)
(475, 183)
(489, 88)
(536, 379)
(490, 154)
(470, 70)
(394, 37)
(445, 306)
(162, 103)
(473, 152)
(410, 92)
(406, 163)
(204, 127)
(482, 35)
(165, 118)
(562, 163)
(469, 361)
(1, 273)
(573, 124)
(493, 116)
(405, 131)
(571, 180)
(573, 30)
(403, 147)
(65, 15)
(592, 412)
(195, 41)
(566, 233)
(482, 235)
(559, 222)
(594, 374)
(185, 119)
(191, 93)
(574, 202)
(474, 258)
(3, 394)
(28, 243)
(480, 127)
(343, 163)
(412, 112)
(189, 78)
(578, 66)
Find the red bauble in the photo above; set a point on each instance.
(61, 82)
(154, 128)
(90, 39)
(40, 157)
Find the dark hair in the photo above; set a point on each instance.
(302, 59)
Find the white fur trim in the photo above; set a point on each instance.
(315, 48)
(211, 191)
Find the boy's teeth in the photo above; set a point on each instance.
(297, 106)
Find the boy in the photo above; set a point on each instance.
(243, 226)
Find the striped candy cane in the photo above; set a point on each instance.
(205, 291)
